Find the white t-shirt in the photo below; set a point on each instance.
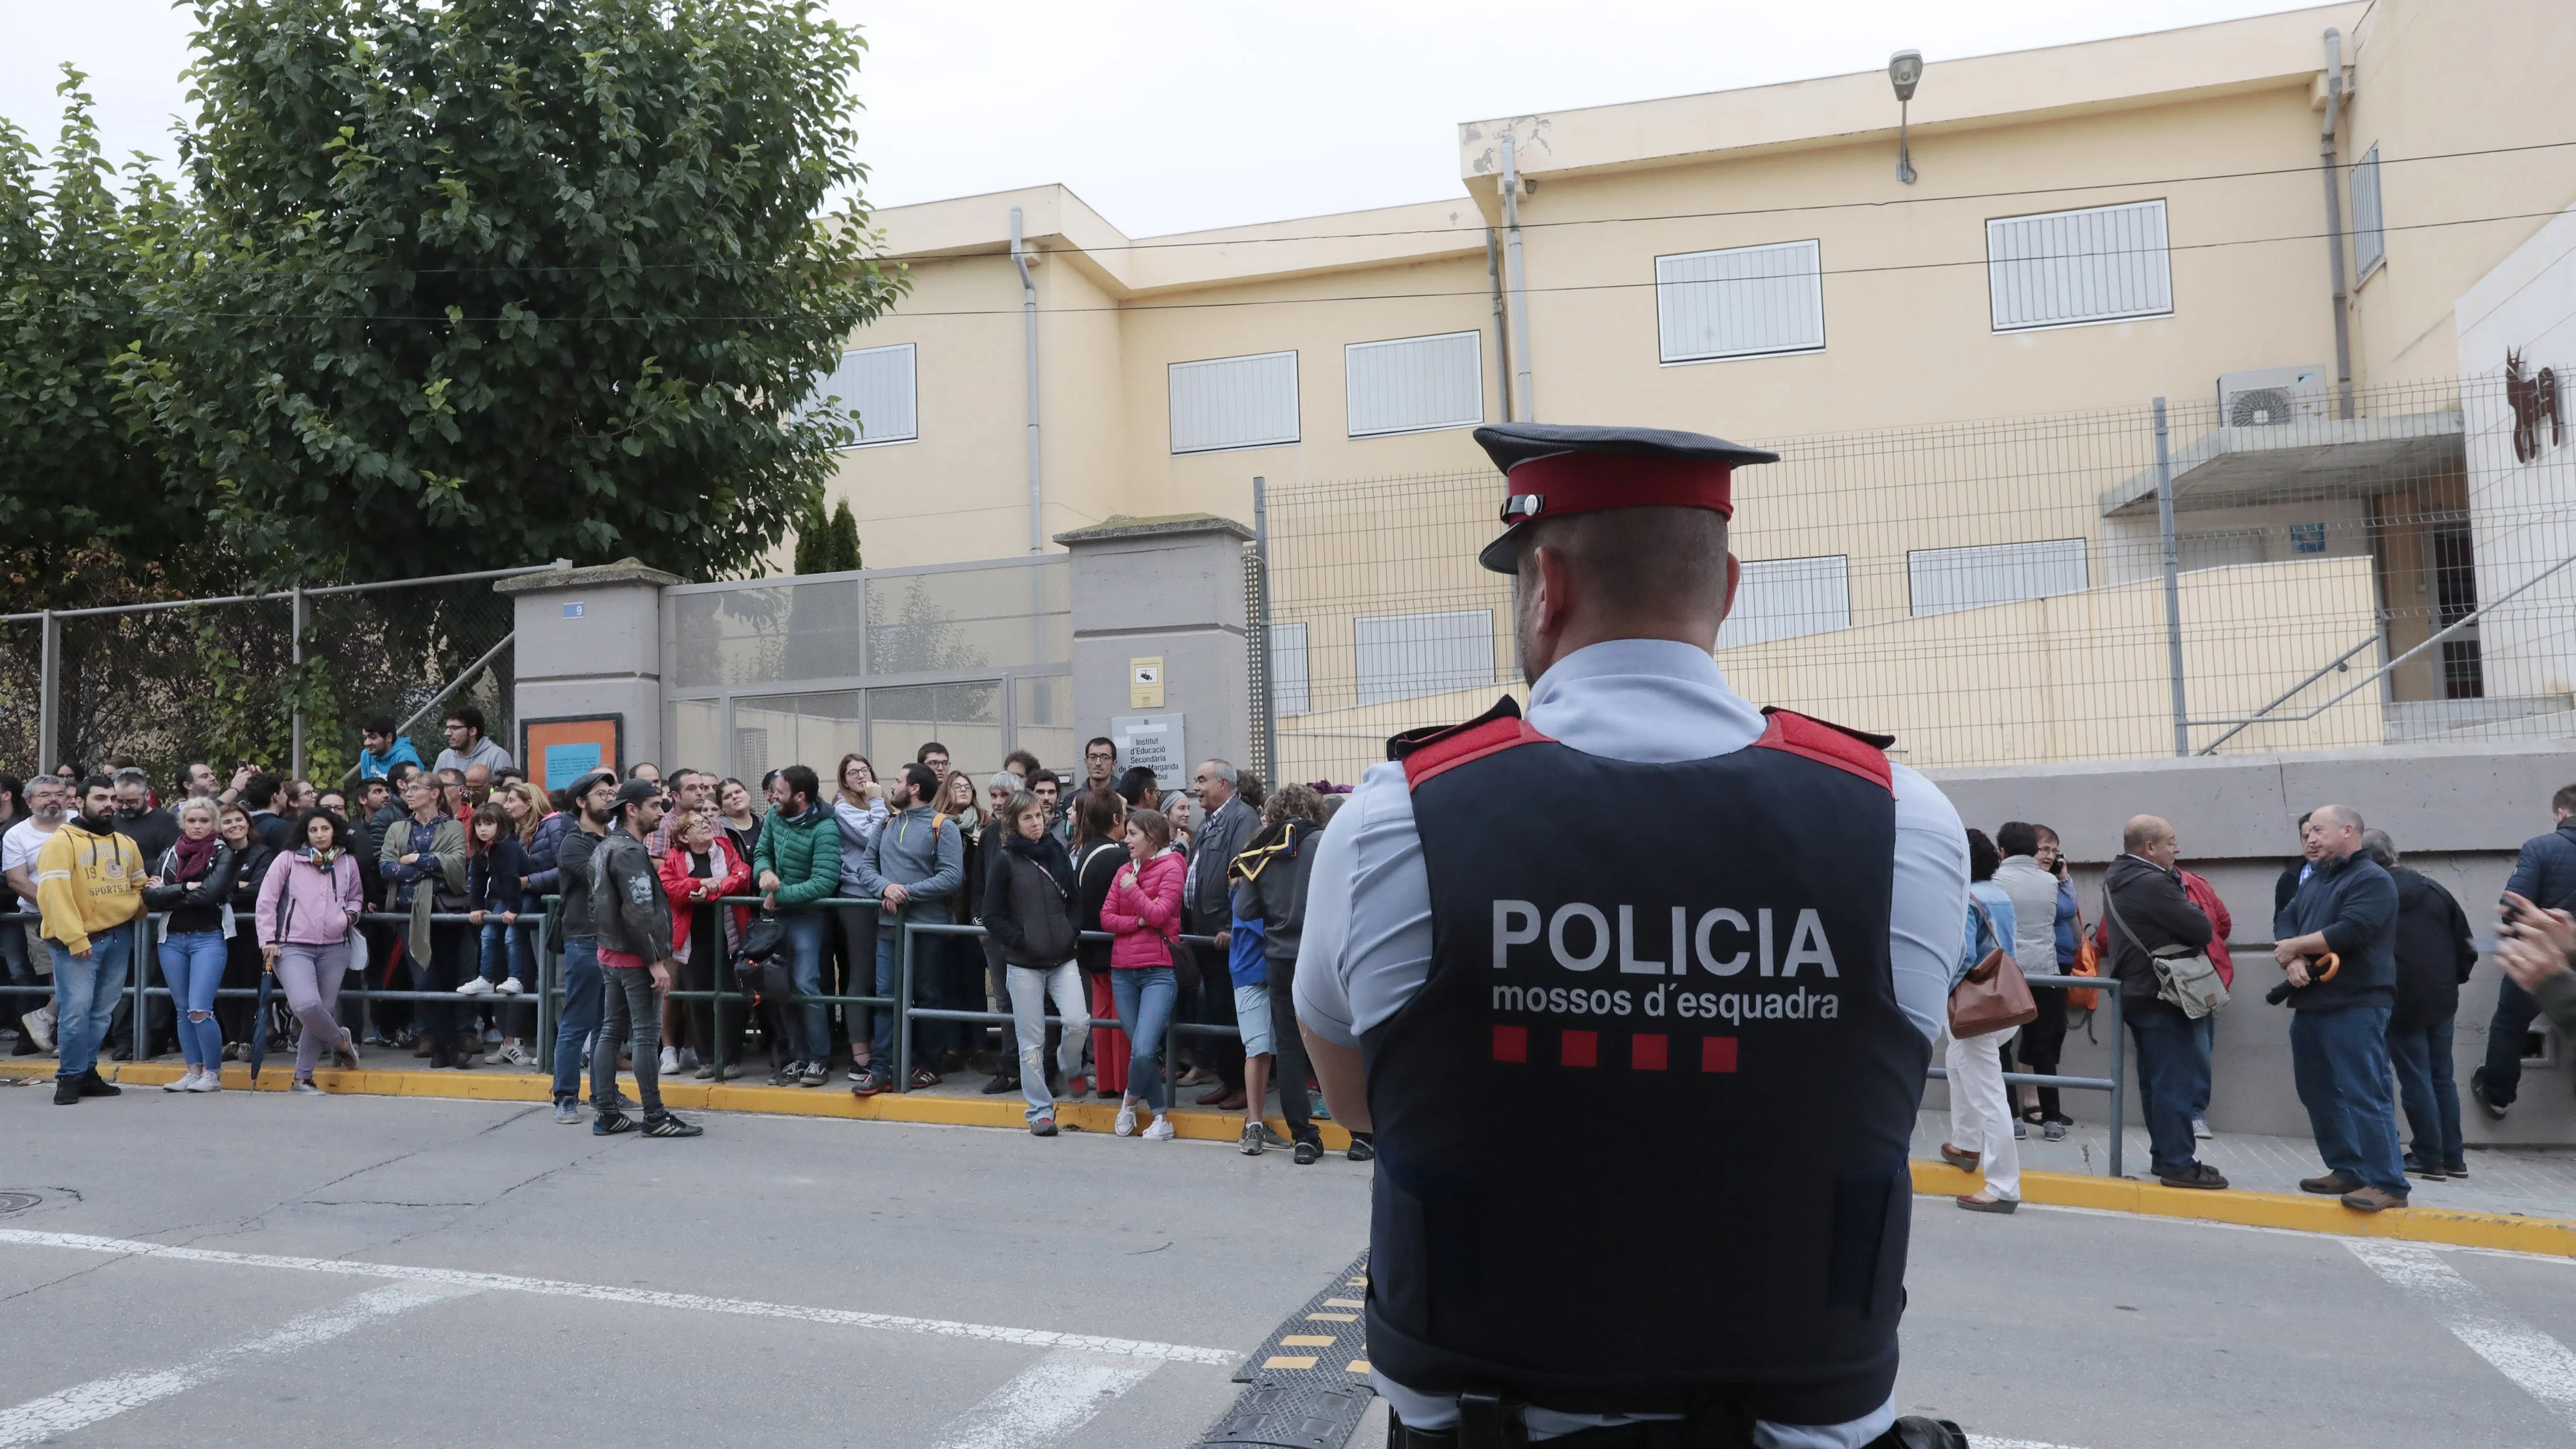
(18, 847)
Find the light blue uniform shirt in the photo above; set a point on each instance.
(1367, 947)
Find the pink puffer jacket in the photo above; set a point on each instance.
(1144, 906)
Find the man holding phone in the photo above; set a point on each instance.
(2545, 876)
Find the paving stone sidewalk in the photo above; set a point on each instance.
(2529, 1182)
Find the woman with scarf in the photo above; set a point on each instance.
(308, 904)
(192, 883)
(1028, 913)
(698, 869)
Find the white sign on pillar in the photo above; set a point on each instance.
(1154, 741)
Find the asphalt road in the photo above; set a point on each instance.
(376, 1271)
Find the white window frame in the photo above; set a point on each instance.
(1406, 679)
(1352, 351)
(1762, 629)
(1919, 559)
(1175, 372)
(1814, 275)
(2007, 276)
(2366, 180)
(1291, 692)
(912, 385)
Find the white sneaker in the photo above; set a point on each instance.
(2201, 1130)
(1126, 1124)
(207, 1082)
(670, 1062)
(1161, 1131)
(475, 987)
(40, 1025)
(514, 1055)
(510, 987)
(187, 1081)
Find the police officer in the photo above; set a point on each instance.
(1641, 1082)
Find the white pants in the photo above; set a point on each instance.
(1030, 986)
(1981, 1112)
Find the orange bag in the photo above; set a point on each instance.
(2088, 962)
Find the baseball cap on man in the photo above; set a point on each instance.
(636, 792)
(1552, 470)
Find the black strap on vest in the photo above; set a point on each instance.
(1499, 1426)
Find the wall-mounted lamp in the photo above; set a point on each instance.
(1904, 71)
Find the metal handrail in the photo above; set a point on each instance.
(2117, 1084)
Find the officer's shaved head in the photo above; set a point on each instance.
(1634, 572)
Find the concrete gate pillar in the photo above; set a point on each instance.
(1166, 589)
(590, 644)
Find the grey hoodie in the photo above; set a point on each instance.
(929, 864)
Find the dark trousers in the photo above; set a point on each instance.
(159, 1012)
(631, 1016)
(703, 970)
(1291, 1069)
(1213, 1005)
(2421, 1052)
(2339, 1059)
(452, 958)
(2515, 1010)
(580, 1017)
(2168, 1079)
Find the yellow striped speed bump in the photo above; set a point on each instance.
(1307, 1384)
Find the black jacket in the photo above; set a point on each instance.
(572, 881)
(2434, 953)
(1028, 902)
(627, 905)
(2152, 904)
(2353, 903)
(249, 871)
(2545, 873)
(2287, 885)
(1273, 873)
(153, 833)
(197, 905)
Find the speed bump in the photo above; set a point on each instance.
(1307, 1384)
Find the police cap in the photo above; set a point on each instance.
(1553, 470)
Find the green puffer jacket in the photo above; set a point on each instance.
(805, 850)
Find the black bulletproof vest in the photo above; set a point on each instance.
(1642, 1133)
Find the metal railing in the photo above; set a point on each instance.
(2116, 1084)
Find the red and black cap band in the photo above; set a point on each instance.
(1563, 484)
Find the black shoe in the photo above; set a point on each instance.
(1917, 1432)
(788, 1075)
(66, 1091)
(871, 1085)
(663, 1124)
(2197, 1174)
(610, 1123)
(93, 1085)
(815, 1074)
(2430, 1171)
(999, 1085)
(923, 1078)
(2455, 1169)
(2478, 1090)
(121, 1054)
(1309, 1153)
(951, 1062)
(1360, 1150)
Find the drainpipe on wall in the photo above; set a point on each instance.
(2334, 220)
(1525, 403)
(1502, 323)
(1029, 311)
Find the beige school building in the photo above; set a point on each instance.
(1963, 544)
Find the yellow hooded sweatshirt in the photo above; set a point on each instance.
(87, 883)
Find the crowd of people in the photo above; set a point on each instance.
(1100, 895)
(2372, 955)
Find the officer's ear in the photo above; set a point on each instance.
(1734, 576)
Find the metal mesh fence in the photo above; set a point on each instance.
(219, 680)
(1995, 592)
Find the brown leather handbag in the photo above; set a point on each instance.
(1994, 996)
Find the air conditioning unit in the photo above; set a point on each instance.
(2272, 396)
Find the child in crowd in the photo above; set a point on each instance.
(496, 867)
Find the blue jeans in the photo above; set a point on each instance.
(809, 1026)
(192, 962)
(581, 1004)
(2168, 1080)
(1144, 995)
(2204, 1039)
(85, 994)
(2422, 1054)
(505, 950)
(2339, 1059)
(930, 960)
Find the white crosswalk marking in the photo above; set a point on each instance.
(2540, 1364)
(82, 1405)
(1057, 1395)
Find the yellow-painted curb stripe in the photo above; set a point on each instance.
(2458, 1227)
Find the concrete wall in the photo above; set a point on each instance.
(2458, 815)
(590, 642)
(1167, 588)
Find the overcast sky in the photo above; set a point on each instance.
(1173, 116)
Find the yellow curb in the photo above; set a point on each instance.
(2457, 1227)
(1006, 1110)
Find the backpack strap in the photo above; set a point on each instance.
(1826, 743)
(1427, 754)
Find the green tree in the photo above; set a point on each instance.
(813, 541)
(485, 281)
(845, 539)
(83, 514)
